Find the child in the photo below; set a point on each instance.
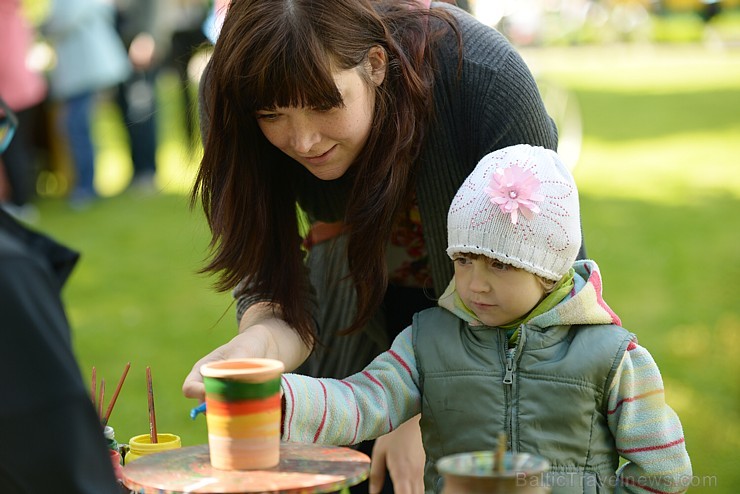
(522, 343)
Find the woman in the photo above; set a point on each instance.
(369, 115)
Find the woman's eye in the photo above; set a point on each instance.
(266, 116)
(323, 109)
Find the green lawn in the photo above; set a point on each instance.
(659, 175)
(659, 172)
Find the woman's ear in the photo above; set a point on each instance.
(377, 59)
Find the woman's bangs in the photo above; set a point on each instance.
(296, 76)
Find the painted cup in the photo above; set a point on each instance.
(243, 412)
(476, 473)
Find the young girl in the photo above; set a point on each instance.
(522, 342)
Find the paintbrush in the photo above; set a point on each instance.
(115, 394)
(500, 454)
(152, 416)
(101, 397)
(94, 390)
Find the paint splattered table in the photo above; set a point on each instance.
(303, 469)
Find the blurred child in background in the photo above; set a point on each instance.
(90, 58)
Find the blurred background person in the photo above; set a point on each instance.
(45, 404)
(187, 38)
(215, 19)
(89, 58)
(146, 32)
(23, 89)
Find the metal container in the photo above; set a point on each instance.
(476, 473)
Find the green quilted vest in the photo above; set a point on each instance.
(549, 397)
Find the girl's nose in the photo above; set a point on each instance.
(478, 281)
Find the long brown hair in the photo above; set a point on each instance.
(273, 53)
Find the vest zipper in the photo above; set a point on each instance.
(511, 357)
(508, 376)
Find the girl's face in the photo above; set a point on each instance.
(327, 141)
(496, 292)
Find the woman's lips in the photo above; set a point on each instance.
(321, 158)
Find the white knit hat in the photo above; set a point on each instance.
(520, 206)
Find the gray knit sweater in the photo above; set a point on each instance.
(494, 103)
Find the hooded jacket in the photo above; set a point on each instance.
(577, 389)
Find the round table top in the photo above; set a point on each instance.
(303, 469)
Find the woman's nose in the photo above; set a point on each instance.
(303, 137)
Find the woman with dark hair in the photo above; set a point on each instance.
(367, 115)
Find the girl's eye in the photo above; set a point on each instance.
(499, 266)
(462, 261)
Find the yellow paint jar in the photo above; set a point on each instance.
(142, 445)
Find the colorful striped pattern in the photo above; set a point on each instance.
(648, 432)
(243, 423)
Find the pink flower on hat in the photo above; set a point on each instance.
(515, 189)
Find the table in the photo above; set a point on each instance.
(303, 469)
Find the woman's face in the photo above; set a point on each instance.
(327, 142)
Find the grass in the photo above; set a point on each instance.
(660, 184)
(136, 295)
(660, 189)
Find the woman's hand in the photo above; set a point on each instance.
(261, 335)
(246, 344)
(402, 454)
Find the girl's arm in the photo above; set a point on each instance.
(364, 406)
(648, 432)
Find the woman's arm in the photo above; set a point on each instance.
(261, 334)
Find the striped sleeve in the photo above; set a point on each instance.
(648, 432)
(363, 406)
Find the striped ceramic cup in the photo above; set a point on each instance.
(243, 412)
